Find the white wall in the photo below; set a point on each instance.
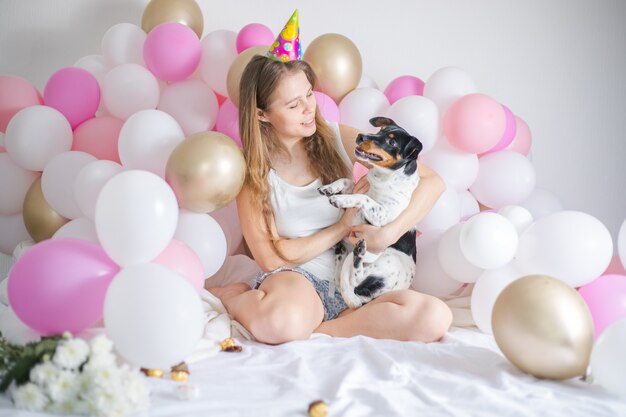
(560, 65)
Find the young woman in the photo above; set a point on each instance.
(291, 229)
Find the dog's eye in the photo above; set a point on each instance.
(392, 142)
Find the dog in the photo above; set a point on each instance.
(393, 176)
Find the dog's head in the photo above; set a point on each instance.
(391, 147)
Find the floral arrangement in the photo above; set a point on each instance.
(67, 375)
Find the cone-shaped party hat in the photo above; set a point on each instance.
(286, 47)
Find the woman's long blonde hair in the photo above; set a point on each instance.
(258, 82)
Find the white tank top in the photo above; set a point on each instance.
(300, 211)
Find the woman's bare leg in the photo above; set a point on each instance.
(399, 315)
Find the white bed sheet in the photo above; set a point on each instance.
(465, 375)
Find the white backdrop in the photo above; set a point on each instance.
(559, 65)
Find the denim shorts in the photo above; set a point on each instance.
(330, 296)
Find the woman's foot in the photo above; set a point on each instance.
(226, 293)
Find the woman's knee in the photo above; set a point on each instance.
(281, 323)
(429, 317)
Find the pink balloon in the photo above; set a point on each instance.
(358, 172)
(615, 267)
(228, 121)
(328, 107)
(99, 137)
(179, 257)
(172, 51)
(2, 150)
(74, 92)
(253, 34)
(15, 94)
(406, 85)
(522, 140)
(59, 285)
(509, 131)
(474, 123)
(606, 298)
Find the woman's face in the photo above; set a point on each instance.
(292, 108)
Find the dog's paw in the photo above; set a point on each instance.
(360, 248)
(336, 201)
(327, 190)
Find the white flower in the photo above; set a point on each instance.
(29, 397)
(43, 373)
(100, 344)
(68, 407)
(64, 387)
(72, 353)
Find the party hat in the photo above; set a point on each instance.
(286, 47)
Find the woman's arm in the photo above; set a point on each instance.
(426, 194)
(298, 251)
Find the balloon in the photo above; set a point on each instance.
(488, 240)
(542, 202)
(192, 103)
(522, 140)
(468, 205)
(228, 219)
(153, 316)
(147, 140)
(172, 51)
(328, 108)
(360, 105)
(40, 219)
(445, 213)
(59, 285)
(35, 135)
(474, 123)
(504, 178)
(430, 278)
(136, 217)
(180, 258)
(509, 131)
(186, 12)
(543, 327)
(615, 267)
(448, 84)
(14, 184)
(218, 54)
(80, 228)
(236, 70)
(337, 63)
(228, 121)
(367, 81)
(57, 182)
(487, 289)
(89, 182)
(12, 232)
(204, 235)
(253, 34)
(451, 258)
(206, 171)
(606, 298)
(129, 88)
(99, 137)
(457, 168)
(406, 85)
(123, 44)
(419, 116)
(608, 367)
(572, 246)
(15, 94)
(74, 92)
(621, 243)
(358, 171)
(518, 215)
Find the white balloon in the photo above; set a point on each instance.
(445, 213)
(430, 278)
(419, 116)
(204, 235)
(518, 215)
(147, 139)
(35, 135)
(572, 246)
(14, 184)
(219, 50)
(360, 105)
(228, 219)
(451, 258)
(95, 64)
(486, 291)
(123, 44)
(367, 81)
(129, 88)
(608, 367)
(153, 316)
(80, 228)
(192, 103)
(89, 182)
(458, 169)
(488, 240)
(542, 202)
(57, 181)
(468, 204)
(621, 244)
(504, 178)
(12, 232)
(446, 85)
(136, 217)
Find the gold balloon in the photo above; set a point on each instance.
(236, 70)
(40, 220)
(186, 12)
(544, 327)
(206, 171)
(337, 64)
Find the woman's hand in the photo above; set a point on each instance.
(376, 238)
(346, 218)
(362, 186)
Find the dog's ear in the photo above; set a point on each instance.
(382, 122)
(410, 153)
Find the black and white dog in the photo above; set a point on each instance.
(392, 154)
